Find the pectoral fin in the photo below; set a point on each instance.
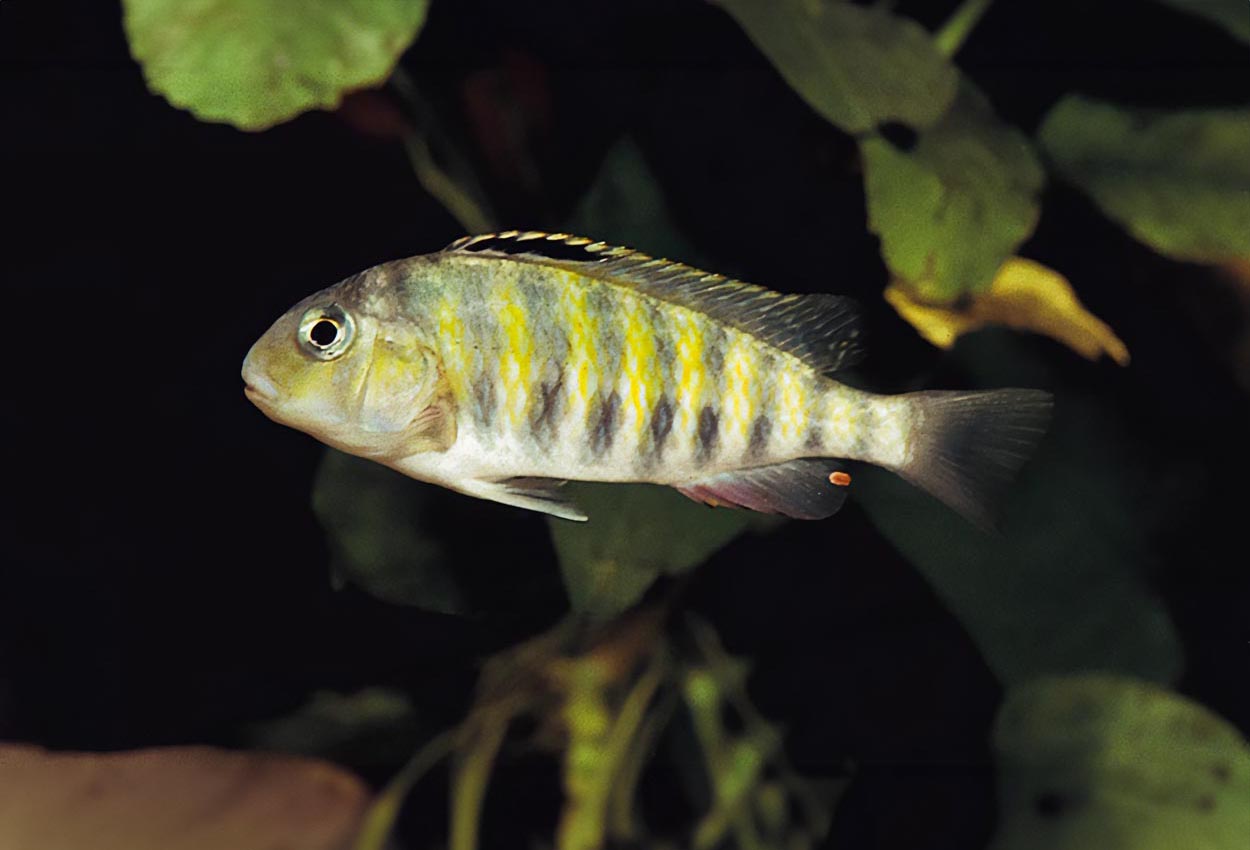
(800, 489)
(434, 428)
(535, 494)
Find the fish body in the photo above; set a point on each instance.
(509, 363)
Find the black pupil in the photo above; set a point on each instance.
(324, 333)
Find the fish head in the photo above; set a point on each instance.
(344, 366)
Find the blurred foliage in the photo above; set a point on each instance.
(388, 535)
(362, 729)
(1178, 181)
(437, 161)
(954, 197)
(952, 209)
(1024, 295)
(600, 700)
(608, 565)
(856, 66)
(381, 535)
(1109, 762)
(254, 65)
(953, 193)
(1233, 17)
(175, 798)
(1062, 586)
(625, 205)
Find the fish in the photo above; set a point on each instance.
(508, 364)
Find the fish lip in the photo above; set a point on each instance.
(256, 395)
(258, 388)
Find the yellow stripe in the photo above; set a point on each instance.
(738, 397)
(794, 402)
(640, 367)
(583, 330)
(455, 349)
(516, 363)
(690, 371)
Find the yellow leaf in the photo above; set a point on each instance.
(1024, 295)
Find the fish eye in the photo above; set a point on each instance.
(326, 332)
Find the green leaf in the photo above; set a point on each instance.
(624, 205)
(381, 535)
(1106, 763)
(257, 63)
(1232, 15)
(858, 67)
(1061, 588)
(1178, 181)
(954, 208)
(637, 533)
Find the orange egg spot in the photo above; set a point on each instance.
(839, 479)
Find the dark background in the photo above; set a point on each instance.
(163, 578)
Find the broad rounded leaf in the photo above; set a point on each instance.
(1061, 587)
(412, 543)
(380, 533)
(951, 210)
(637, 533)
(1024, 295)
(858, 67)
(256, 63)
(178, 798)
(1178, 181)
(1232, 15)
(1114, 764)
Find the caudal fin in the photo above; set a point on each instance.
(966, 447)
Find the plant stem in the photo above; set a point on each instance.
(960, 25)
(453, 184)
(463, 207)
(471, 775)
(379, 821)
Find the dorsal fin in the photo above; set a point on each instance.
(821, 330)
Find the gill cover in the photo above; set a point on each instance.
(404, 393)
(336, 369)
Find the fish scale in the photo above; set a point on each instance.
(621, 340)
(509, 363)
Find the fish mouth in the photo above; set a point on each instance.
(258, 388)
(256, 395)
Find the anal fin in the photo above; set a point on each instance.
(800, 489)
(535, 494)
